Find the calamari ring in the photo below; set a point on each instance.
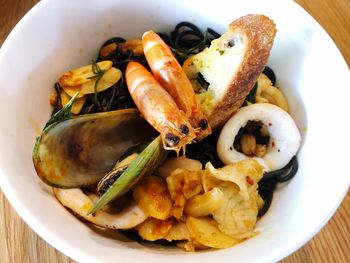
(284, 140)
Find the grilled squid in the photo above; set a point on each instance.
(284, 135)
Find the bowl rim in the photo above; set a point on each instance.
(67, 249)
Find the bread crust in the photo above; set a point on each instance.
(258, 33)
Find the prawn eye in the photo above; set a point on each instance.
(171, 139)
(203, 123)
(184, 129)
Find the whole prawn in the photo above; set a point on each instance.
(171, 76)
(158, 107)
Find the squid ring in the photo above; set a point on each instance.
(284, 140)
(77, 201)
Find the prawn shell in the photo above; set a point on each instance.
(80, 151)
(167, 70)
(158, 107)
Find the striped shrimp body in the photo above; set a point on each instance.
(158, 108)
(171, 76)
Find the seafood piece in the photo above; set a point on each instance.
(77, 105)
(167, 70)
(80, 151)
(239, 173)
(267, 93)
(107, 80)
(153, 229)
(158, 108)
(206, 232)
(284, 140)
(86, 80)
(82, 75)
(152, 196)
(231, 66)
(80, 203)
(171, 164)
(205, 204)
(134, 45)
(237, 217)
(240, 199)
(182, 185)
(178, 231)
(72, 90)
(175, 183)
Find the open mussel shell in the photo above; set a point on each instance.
(80, 151)
(115, 173)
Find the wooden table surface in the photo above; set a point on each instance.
(18, 243)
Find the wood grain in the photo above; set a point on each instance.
(18, 243)
(10, 13)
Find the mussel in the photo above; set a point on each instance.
(79, 151)
(106, 182)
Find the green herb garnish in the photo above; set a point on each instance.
(98, 75)
(145, 163)
(64, 113)
(252, 94)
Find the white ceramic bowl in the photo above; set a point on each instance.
(59, 35)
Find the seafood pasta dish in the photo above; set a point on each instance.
(173, 138)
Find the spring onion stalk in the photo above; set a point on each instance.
(147, 161)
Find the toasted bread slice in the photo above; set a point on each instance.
(231, 66)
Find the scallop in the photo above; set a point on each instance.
(284, 140)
